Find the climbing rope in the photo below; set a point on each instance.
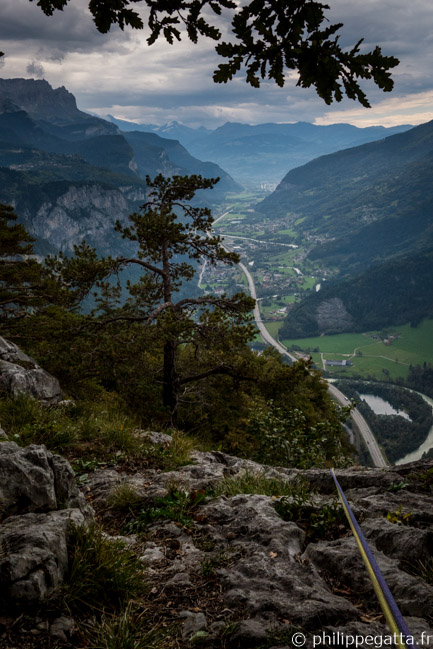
(401, 634)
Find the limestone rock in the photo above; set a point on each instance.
(39, 503)
(156, 438)
(402, 542)
(268, 579)
(194, 622)
(34, 480)
(204, 471)
(267, 573)
(20, 374)
(342, 560)
(34, 558)
(63, 628)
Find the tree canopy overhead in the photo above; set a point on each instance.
(270, 38)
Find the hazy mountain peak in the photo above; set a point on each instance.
(38, 98)
(43, 103)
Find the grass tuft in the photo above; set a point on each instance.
(256, 482)
(124, 498)
(126, 631)
(103, 574)
(101, 424)
(27, 421)
(425, 570)
(172, 455)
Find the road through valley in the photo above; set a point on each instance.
(364, 429)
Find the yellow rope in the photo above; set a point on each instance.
(377, 588)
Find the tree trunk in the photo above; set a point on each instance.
(171, 380)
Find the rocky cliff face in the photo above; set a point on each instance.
(227, 566)
(239, 571)
(42, 102)
(84, 211)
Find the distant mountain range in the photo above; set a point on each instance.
(367, 209)
(71, 175)
(264, 152)
(370, 211)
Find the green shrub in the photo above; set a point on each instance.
(326, 522)
(398, 517)
(103, 574)
(178, 506)
(283, 437)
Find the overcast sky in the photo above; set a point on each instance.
(118, 73)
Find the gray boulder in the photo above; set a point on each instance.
(40, 503)
(35, 557)
(34, 480)
(268, 581)
(20, 374)
(342, 560)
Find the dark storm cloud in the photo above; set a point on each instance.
(36, 70)
(402, 29)
(119, 69)
(69, 30)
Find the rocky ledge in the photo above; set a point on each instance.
(239, 571)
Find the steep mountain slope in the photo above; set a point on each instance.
(60, 208)
(70, 175)
(366, 212)
(389, 294)
(364, 204)
(147, 146)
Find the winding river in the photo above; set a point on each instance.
(425, 446)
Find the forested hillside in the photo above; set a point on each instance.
(364, 204)
(396, 292)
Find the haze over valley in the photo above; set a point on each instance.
(327, 255)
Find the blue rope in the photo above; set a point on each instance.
(372, 564)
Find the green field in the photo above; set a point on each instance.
(273, 327)
(340, 344)
(274, 305)
(372, 357)
(288, 231)
(308, 282)
(380, 368)
(283, 257)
